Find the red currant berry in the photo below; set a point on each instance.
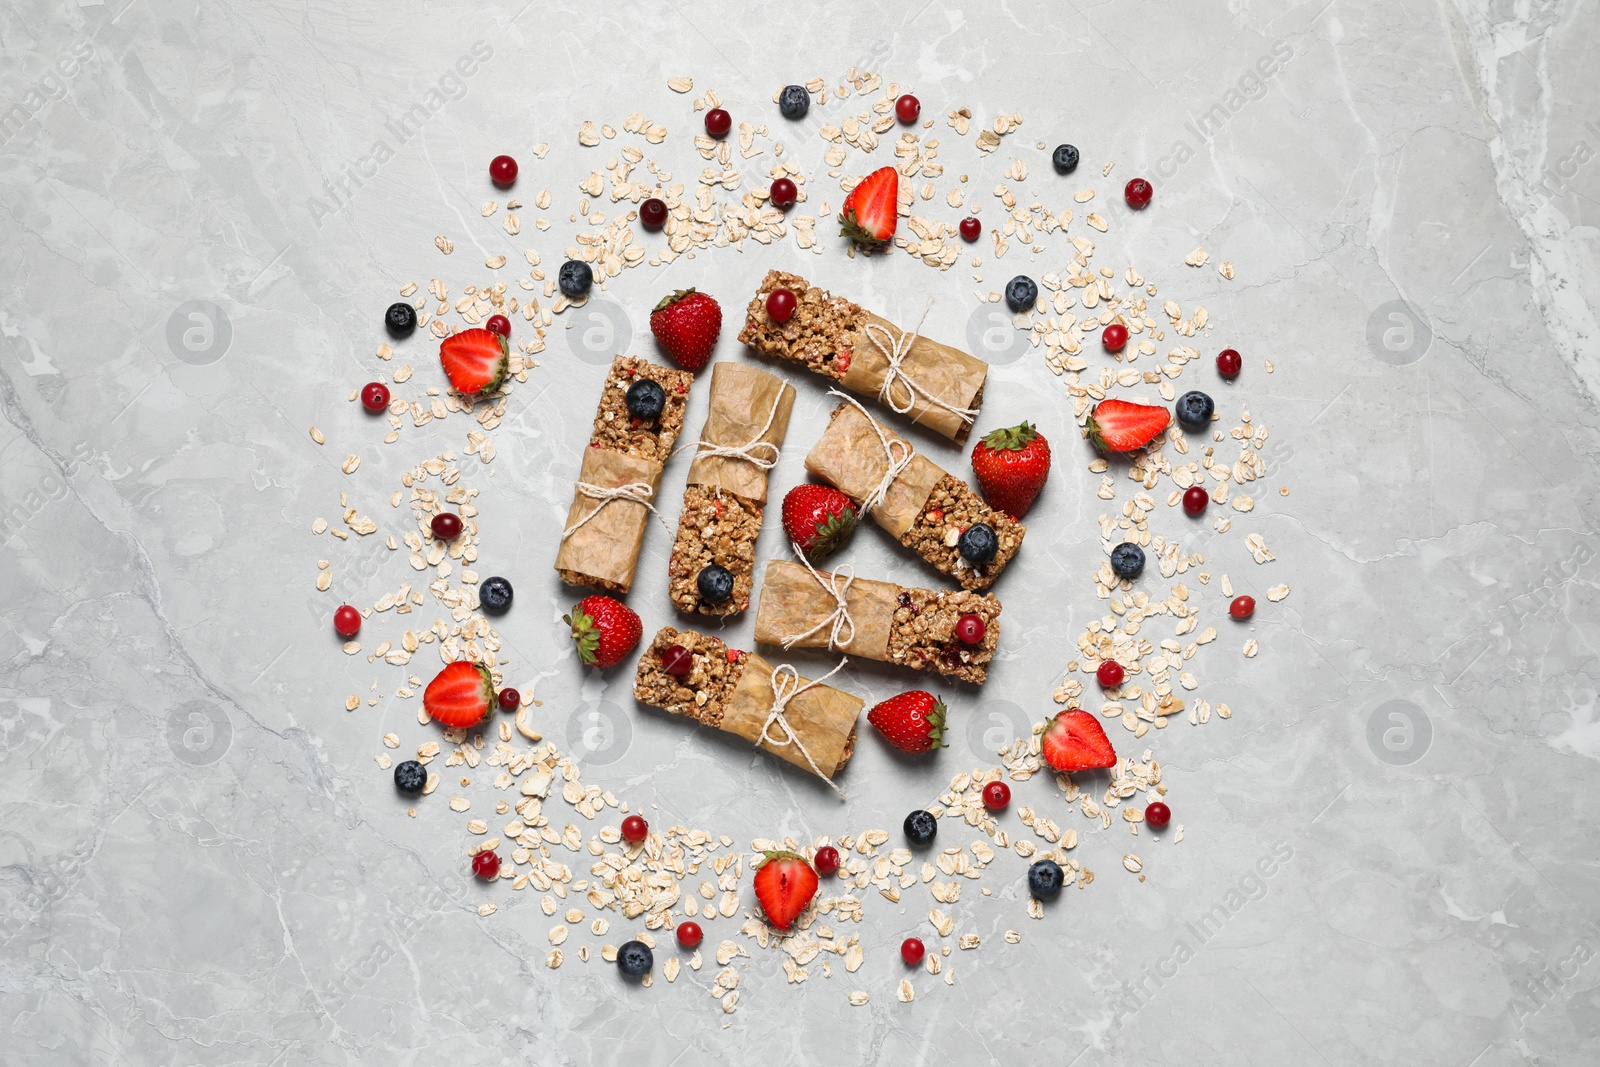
(970, 229)
(446, 526)
(510, 700)
(912, 951)
(375, 397)
(502, 170)
(1110, 674)
(1242, 607)
(486, 865)
(635, 829)
(498, 324)
(689, 934)
(677, 661)
(826, 861)
(783, 193)
(718, 122)
(1228, 363)
(1114, 337)
(996, 795)
(653, 213)
(780, 305)
(908, 109)
(347, 621)
(1138, 193)
(969, 629)
(1195, 499)
(1157, 815)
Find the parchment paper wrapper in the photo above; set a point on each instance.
(823, 718)
(792, 602)
(605, 550)
(939, 370)
(741, 399)
(850, 457)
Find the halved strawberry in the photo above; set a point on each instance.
(871, 210)
(784, 885)
(475, 361)
(460, 695)
(1123, 426)
(1074, 741)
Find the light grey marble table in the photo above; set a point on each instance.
(1388, 850)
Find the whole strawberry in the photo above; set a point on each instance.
(818, 518)
(911, 722)
(686, 324)
(784, 885)
(604, 629)
(1011, 466)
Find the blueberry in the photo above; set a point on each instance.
(645, 399)
(410, 776)
(1064, 158)
(921, 827)
(1044, 879)
(1021, 292)
(575, 279)
(715, 584)
(494, 595)
(794, 101)
(635, 959)
(1194, 410)
(400, 320)
(1127, 559)
(978, 543)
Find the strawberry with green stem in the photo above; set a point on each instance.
(818, 518)
(1012, 465)
(460, 696)
(912, 722)
(475, 361)
(871, 210)
(604, 630)
(1123, 426)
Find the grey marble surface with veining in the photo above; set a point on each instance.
(200, 862)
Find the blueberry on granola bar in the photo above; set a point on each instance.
(646, 399)
(978, 543)
(715, 583)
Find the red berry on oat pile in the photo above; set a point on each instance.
(783, 193)
(446, 526)
(1229, 364)
(1157, 815)
(970, 229)
(347, 621)
(780, 305)
(498, 324)
(502, 170)
(1110, 674)
(996, 795)
(635, 829)
(718, 122)
(1242, 607)
(1195, 499)
(687, 324)
(677, 661)
(970, 629)
(1137, 193)
(653, 213)
(908, 109)
(375, 397)
(912, 950)
(486, 865)
(826, 861)
(1114, 337)
(509, 699)
(604, 629)
(689, 934)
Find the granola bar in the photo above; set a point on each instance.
(734, 691)
(924, 508)
(932, 384)
(880, 621)
(618, 478)
(723, 503)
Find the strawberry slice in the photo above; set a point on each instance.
(784, 885)
(475, 361)
(1122, 426)
(871, 211)
(460, 695)
(1074, 741)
